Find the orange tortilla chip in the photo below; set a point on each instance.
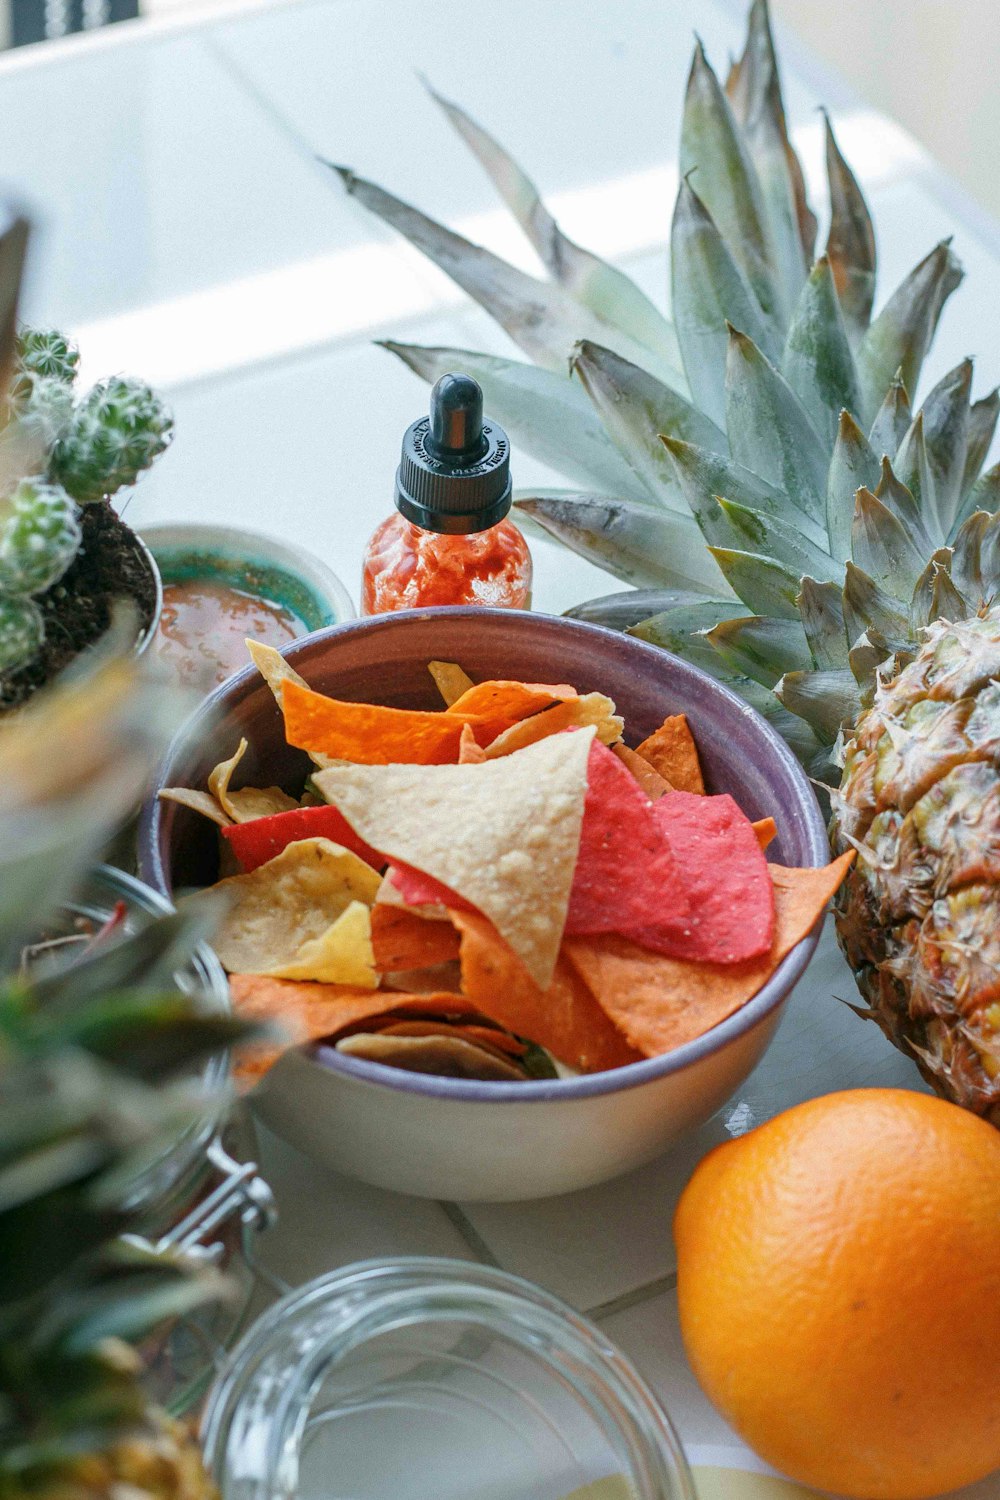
(508, 702)
(766, 829)
(652, 783)
(470, 752)
(673, 752)
(565, 1018)
(308, 1011)
(367, 733)
(403, 940)
(661, 1003)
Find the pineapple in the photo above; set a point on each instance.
(755, 467)
(919, 921)
(91, 1055)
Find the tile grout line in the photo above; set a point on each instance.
(469, 1233)
(635, 1298)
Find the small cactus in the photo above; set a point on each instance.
(39, 536)
(47, 353)
(21, 631)
(115, 432)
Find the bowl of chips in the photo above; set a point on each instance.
(523, 897)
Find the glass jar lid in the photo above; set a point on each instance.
(423, 1377)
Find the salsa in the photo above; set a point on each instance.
(204, 626)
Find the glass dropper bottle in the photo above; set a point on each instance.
(450, 540)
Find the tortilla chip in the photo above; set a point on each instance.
(260, 840)
(450, 680)
(673, 752)
(287, 903)
(249, 802)
(574, 713)
(724, 873)
(564, 1017)
(199, 802)
(652, 783)
(470, 752)
(766, 830)
(401, 940)
(367, 733)
(487, 1036)
(627, 879)
(660, 1003)
(276, 671)
(341, 955)
(504, 835)
(442, 1054)
(510, 701)
(308, 1012)
(438, 979)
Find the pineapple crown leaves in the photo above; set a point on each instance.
(754, 457)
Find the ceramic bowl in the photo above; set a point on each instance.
(449, 1138)
(254, 562)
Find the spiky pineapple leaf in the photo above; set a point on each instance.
(683, 629)
(540, 316)
(622, 611)
(882, 547)
(946, 436)
(817, 362)
(891, 420)
(924, 605)
(900, 336)
(894, 494)
(608, 292)
(982, 426)
(828, 701)
(546, 414)
(712, 147)
(769, 430)
(865, 604)
(966, 564)
(760, 647)
(635, 408)
(912, 468)
(650, 548)
(708, 292)
(703, 475)
(787, 545)
(989, 557)
(754, 92)
(821, 611)
(850, 245)
(852, 467)
(764, 585)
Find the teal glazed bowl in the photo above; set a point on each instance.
(458, 1139)
(254, 563)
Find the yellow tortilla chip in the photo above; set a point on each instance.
(673, 752)
(341, 955)
(288, 903)
(199, 802)
(504, 835)
(660, 1003)
(450, 680)
(574, 713)
(249, 802)
(275, 671)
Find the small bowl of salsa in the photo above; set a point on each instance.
(222, 584)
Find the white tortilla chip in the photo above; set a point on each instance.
(199, 802)
(504, 835)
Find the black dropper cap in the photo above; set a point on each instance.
(454, 471)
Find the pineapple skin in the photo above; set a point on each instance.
(918, 918)
(160, 1461)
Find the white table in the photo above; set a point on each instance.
(192, 238)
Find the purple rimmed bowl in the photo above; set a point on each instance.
(451, 1138)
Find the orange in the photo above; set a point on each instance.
(839, 1291)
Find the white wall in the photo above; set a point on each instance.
(932, 64)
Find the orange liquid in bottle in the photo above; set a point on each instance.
(409, 568)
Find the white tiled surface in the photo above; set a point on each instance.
(192, 237)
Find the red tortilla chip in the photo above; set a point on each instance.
(565, 1018)
(660, 1003)
(402, 940)
(673, 752)
(652, 783)
(261, 839)
(508, 702)
(626, 878)
(367, 733)
(766, 830)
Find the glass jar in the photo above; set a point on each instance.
(421, 1377)
(202, 1195)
